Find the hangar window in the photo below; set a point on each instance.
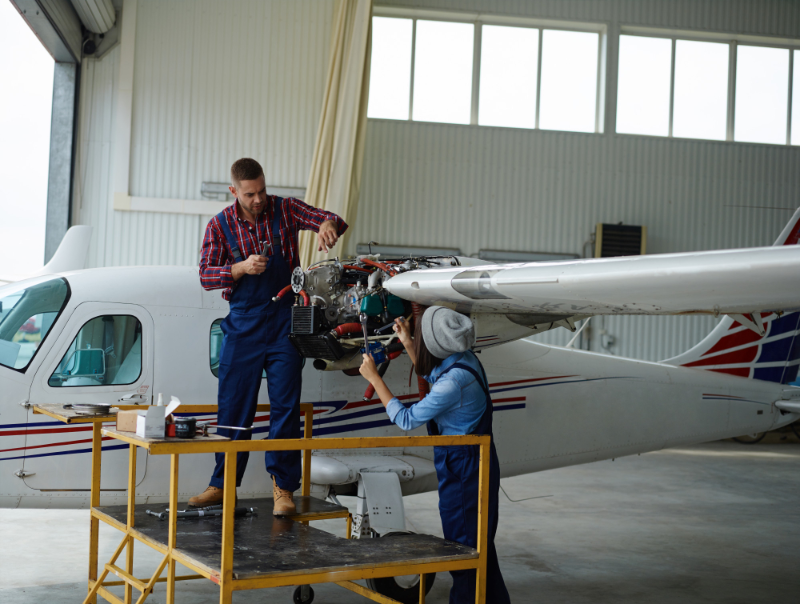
(443, 72)
(569, 80)
(762, 92)
(432, 66)
(390, 69)
(715, 88)
(509, 66)
(106, 351)
(795, 123)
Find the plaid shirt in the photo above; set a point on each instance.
(216, 257)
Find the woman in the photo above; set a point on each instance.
(458, 403)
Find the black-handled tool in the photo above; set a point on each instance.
(200, 512)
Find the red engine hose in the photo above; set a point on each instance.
(281, 293)
(356, 268)
(348, 328)
(417, 310)
(379, 265)
(288, 288)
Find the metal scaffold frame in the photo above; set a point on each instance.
(343, 575)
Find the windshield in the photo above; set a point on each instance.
(27, 312)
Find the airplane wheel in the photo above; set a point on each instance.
(750, 439)
(303, 595)
(405, 588)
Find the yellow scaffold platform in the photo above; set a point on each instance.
(260, 551)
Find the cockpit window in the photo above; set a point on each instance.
(107, 351)
(27, 312)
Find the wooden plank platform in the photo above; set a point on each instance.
(71, 416)
(267, 546)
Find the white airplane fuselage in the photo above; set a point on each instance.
(554, 406)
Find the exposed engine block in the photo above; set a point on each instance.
(338, 300)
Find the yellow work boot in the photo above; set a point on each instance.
(283, 505)
(211, 496)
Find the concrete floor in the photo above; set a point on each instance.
(713, 523)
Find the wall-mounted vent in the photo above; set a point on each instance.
(619, 240)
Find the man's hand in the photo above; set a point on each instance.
(327, 236)
(254, 265)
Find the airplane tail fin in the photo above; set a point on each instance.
(761, 346)
(71, 253)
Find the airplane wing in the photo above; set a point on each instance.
(735, 282)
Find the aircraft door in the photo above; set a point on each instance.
(104, 354)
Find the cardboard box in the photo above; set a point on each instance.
(151, 423)
(126, 420)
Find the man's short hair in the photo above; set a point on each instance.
(245, 169)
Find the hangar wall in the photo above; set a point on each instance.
(203, 69)
(478, 187)
(213, 81)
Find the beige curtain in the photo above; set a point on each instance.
(335, 177)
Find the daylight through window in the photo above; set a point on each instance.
(486, 74)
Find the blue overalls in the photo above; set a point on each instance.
(257, 337)
(457, 470)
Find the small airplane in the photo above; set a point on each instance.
(121, 335)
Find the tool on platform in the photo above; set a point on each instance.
(199, 513)
(202, 427)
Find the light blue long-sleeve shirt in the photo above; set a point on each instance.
(456, 400)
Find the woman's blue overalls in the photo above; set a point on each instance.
(257, 338)
(457, 470)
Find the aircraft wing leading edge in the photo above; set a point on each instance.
(736, 281)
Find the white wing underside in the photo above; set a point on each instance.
(715, 282)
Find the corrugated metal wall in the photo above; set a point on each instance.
(213, 81)
(763, 17)
(218, 80)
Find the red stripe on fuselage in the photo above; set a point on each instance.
(45, 431)
(64, 444)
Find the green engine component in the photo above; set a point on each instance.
(395, 306)
(371, 305)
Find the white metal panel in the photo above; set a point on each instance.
(212, 82)
(768, 17)
(97, 16)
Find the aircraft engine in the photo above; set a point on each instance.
(337, 302)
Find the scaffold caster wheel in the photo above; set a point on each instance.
(303, 595)
(404, 589)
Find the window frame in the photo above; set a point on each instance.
(26, 284)
(733, 41)
(480, 19)
(66, 352)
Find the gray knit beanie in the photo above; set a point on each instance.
(446, 332)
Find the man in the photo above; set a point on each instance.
(249, 250)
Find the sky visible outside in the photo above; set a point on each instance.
(26, 96)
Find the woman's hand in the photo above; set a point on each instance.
(403, 331)
(368, 369)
